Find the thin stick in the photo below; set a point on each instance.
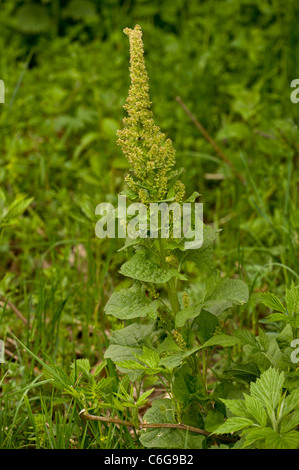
(86, 416)
(209, 138)
(4, 302)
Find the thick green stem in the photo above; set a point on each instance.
(170, 285)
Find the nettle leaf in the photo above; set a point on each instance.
(186, 314)
(268, 387)
(142, 267)
(271, 301)
(225, 341)
(131, 303)
(162, 411)
(227, 293)
(233, 425)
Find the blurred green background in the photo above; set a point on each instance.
(65, 68)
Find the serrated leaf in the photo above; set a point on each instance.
(277, 317)
(289, 422)
(256, 434)
(291, 402)
(271, 301)
(256, 409)
(247, 337)
(268, 387)
(142, 399)
(82, 365)
(286, 441)
(237, 407)
(232, 425)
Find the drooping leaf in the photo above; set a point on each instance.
(225, 341)
(228, 292)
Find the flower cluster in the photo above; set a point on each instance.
(149, 153)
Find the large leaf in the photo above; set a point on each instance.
(131, 303)
(203, 257)
(126, 343)
(162, 411)
(255, 408)
(142, 267)
(225, 341)
(186, 314)
(228, 292)
(205, 325)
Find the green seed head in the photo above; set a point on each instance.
(149, 153)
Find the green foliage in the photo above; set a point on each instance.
(267, 417)
(188, 325)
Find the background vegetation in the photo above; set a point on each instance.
(65, 69)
